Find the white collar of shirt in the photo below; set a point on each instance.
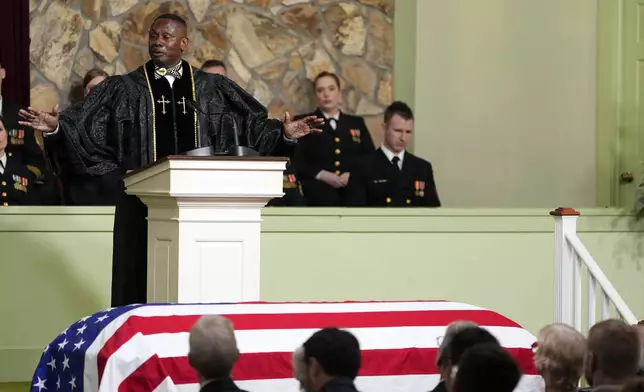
(3, 159)
(327, 117)
(0, 104)
(390, 155)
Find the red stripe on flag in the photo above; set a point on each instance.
(267, 366)
(173, 324)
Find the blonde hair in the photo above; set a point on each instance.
(560, 355)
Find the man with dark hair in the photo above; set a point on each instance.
(613, 355)
(328, 361)
(392, 176)
(214, 67)
(128, 122)
(486, 368)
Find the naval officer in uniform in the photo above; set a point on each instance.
(16, 180)
(392, 176)
(324, 160)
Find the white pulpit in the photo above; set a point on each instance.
(204, 223)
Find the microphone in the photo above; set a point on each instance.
(235, 151)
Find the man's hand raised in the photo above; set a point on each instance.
(39, 120)
(301, 127)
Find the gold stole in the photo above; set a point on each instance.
(154, 118)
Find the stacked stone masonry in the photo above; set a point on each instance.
(273, 48)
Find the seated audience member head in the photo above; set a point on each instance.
(461, 342)
(327, 92)
(329, 354)
(560, 357)
(452, 329)
(215, 67)
(92, 78)
(640, 332)
(486, 368)
(213, 348)
(4, 137)
(635, 384)
(398, 125)
(613, 353)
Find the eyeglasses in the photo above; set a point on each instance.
(535, 347)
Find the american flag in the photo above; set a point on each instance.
(144, 347)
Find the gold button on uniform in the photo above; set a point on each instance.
(337, 140)
(4, 183)
(408, 201)
(338, 172)
(4, 194)
(388, 200)
(5, 204)
(337, 151)
(337, 163)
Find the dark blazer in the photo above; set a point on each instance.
(23, 144)
(226, 385)
(17, 184)
(332, 150)
(339, 385)
(376, 182)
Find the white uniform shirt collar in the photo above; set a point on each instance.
(390, 154)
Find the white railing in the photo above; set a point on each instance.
(571, 258)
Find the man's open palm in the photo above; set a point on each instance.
(302, 127)
(39, 120)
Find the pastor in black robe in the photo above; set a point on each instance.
(128, 122)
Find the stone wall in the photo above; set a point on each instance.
(273, 48)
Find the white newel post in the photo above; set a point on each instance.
(565, 223)
(204, 224)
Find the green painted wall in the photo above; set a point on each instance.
(57, 263)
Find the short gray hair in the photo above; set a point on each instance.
(452, 329)
(213, 347)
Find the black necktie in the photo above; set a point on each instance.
(395, 161)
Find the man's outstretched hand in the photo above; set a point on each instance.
(301, 127)
(39, 120)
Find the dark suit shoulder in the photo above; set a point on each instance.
(416, 160)
(352, 117)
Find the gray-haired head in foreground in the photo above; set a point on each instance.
(213, 347)
(452, 329)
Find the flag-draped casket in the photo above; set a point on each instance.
(144, 347)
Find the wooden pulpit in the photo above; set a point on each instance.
(204, 223)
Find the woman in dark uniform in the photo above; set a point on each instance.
(324, 159)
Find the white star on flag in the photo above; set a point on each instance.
(62, 344)
(52, 364)
(58, 383)
(72, 382)
(82, 329)
(40, 384)
(65, 362)
(45, 350)
(78, 345)
(84, 319)
(102, 318)
(64, 332)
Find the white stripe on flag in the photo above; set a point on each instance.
(277, 340)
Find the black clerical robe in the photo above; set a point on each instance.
(128, 122)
